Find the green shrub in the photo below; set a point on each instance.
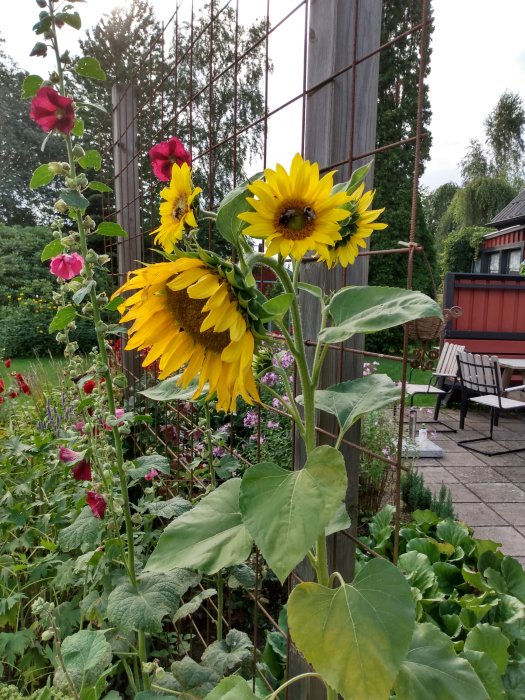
(417, 496)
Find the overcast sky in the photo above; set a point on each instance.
(478, 51)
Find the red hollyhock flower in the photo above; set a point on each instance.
(67, 456)
(2, 386)
(66, 266)
(97, 503)
(52, 111)
(13, 394)
(1, 399)
(88, 386)
(165, 154)
(7, 363)
(22, 385)
(82, 472)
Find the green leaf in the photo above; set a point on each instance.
(312, 289)
(492, 641)
(277, 306)
(192, 680)
(232, 688)
(370, 309)
(62, 318)
(42, 176)
(85, 532)
(228, 223)
(157, 595)
(285, 511)
(349, 401)
(148, 462)
(356, 179)
(487, 672)
(418, 570)
(209, 537)
(14, 644)
(74, 199)
(30, 86)
(70, 18)
(339, 521)
(170, 390)
(101, 187)
(514, 681)
(452, 532)
(52, 249)
(432, 670)
(357, 635)
(114, 304)
(91, 159)
(89, 68)
(230, 653)
(79, 296)
(109, 228)
(194, 604)
(242, 576)
(78, 127)
(169, 509)
(86, 655)
(514, 576)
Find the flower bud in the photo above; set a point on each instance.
(107, 474)
(47, 635)
(78, 151)
(120, 381)
(65, 58)
(58, 168)
(54, 77)
(101, 327)
(41, 3)
(103, 259)
(39, 49)
(71, 183)
(89, 223)
(92, 256)
(61, 206)
(81, 179)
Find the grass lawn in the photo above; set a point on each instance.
(50, 367)
(393, 369)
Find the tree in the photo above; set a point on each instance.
(475, 163)
(436, 203)
(394, 168)
(505, 127)
(479, 201)
(461, 248)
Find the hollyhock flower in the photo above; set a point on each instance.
(22, 385)
(82, 471)
(151, 475)
(119, 412)
(88, 386)
(270, 379)
(7, 363)
(250, 419)
(13, 394)
(165, 154)
(68, 456)
(97, 503)
(2, 386)
(79, 426)
(66, 266)
(50, 110)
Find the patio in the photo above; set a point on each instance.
(488, 492)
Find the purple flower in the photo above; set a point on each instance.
(270, 379)
(218, 451)
(250, 419)
(256, 438)
(225, 428)
(273, 424)
(287, 360)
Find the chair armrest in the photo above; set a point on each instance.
(521, 387)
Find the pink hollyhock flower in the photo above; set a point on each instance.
(50, 110)
(79, 426)
(68, 456)
(151, 475)
(97, 503)
(119, 412)
(82, 471)
(88, 386)
(165, 154)
(66, 266)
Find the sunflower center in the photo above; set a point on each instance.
(188, 313)
(180, 207)
(295, 220)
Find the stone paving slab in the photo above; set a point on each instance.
(494, 492)
(513, 513)
(460, 493)
(435, 475)
(512, 541)
(509, 460)
(466, 459)
(470, 475)
(479, 514)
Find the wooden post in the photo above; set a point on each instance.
(127, 200)
(331, 111)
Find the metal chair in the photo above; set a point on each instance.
(480, 377)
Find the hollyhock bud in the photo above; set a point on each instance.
(50, 110)
(66, 266)
(61, 206)
(151, 475)
(68, 456)
(97, 503)
(165, 154)
(88, 386)
(82, 471)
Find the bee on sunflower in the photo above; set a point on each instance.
(196, 311)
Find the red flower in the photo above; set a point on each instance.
(13, 394)
(82, 472)
(7, 363)
(165, 154)
(97, 503)
(66, 266)
(2, 386)
(52, 111)
(89, 385)
(67, 456)
(1, 399)
(151, 475)
(22, 384)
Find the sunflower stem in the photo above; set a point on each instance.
(209, 442)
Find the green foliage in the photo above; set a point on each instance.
(379, 435)
(505, 127)
(480, 200)
(461, 248)
(417, 496)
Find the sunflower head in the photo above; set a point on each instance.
(177, 211)
(356, 229)
(194, 311)
(295, 212)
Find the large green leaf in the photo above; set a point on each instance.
(209, 537)
(143, 608)
(492, 641)
(85, 532)
(357, 635)
(74, 199)
(42, 176)
(194, 604)
(232, 688)
(433, 670)
(53, 248)
(229, 654)
(171, 390)
(30, 86)
(370, 309)
(110, 228)
(285, 511)
(349, 401)
(228, 223)
(62, 318)
(514, 681)
(169, 509)
(89, 67)
(487, 672)
(191, 680)
(86, 655)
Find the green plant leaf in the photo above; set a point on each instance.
(432, 670)
(109, 228)
(232, 688)
(209, 537)
(62, 318)
(114, 304)
(514, 576)
(143, 609)
(452, 532)
(228, 223)
(339, 521)
(514, 681)
(357, 635)
(52, 249)
(418, 570)
(146, 463)
(192, 680)
(355, 180)
(312, 289)
(85, 532)
(86, 655)
(370, 309)
(194, 604)
(229, 654)
(91, 159)
(78, 127)
(79, 296)
(487, 672)
(30, 86)
(277, 306)
(89, 67)
(492, 641)
(101, 187)
(70, 18)
(349, 401)
(170, 390)
(42, 176)
(74, 199)
(169, 509)
(285, 511)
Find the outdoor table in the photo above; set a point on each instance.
(510, 365)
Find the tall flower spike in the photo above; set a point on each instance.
(295, 212)
(187, 313)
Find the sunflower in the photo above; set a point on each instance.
(176, 212)
(186, 313)
(295, 212)
(360, 226)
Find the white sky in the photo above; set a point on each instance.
(478, 52)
